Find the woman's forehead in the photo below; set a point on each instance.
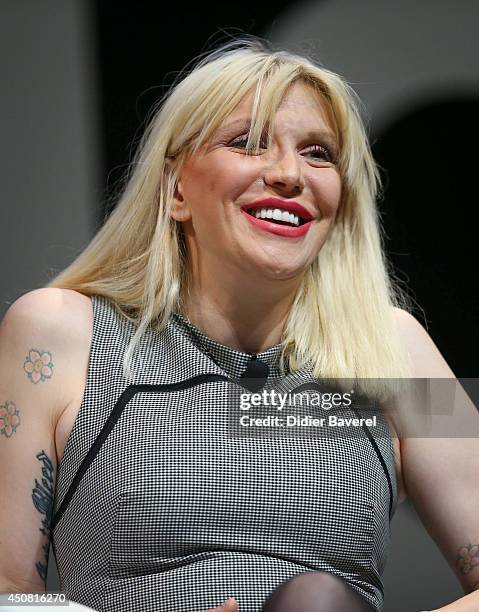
(300, 97)
(310, 127)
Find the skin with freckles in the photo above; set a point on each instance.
(245, 279)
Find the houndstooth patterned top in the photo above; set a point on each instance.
(163, 504)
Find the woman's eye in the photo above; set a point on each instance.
(322, 152)
(242, 141)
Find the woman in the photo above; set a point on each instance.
(243, 254)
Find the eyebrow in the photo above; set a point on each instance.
(245, 122)
(316, 134)
(326, 136)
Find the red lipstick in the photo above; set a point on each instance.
(276, 228)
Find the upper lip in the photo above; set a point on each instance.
(288, 205)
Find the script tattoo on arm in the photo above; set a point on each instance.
(9, 419)
(38, 365)
(42, 496)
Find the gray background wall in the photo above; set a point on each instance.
(392, 53)
(51, 168)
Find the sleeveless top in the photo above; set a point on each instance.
(162, 503)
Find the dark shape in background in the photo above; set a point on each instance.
(428, 160)
(142, 45)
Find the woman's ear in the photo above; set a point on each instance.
(179, 210)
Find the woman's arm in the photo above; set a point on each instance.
(469, 603)
(440, 462)
(33, 388)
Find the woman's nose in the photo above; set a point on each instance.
(284, 172)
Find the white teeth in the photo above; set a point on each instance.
(286, 216)
(274, 213)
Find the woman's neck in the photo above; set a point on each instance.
(242, 322)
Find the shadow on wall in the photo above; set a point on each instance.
(429, 165)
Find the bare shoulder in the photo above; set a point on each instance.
(427, 361)
(50, 300)
(52, 328)
(62, 314)
(406, 320)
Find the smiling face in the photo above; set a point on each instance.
(218, 183)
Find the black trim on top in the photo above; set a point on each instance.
(115, 414)
(317, 386)
(383, 463)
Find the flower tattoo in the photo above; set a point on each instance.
(467, 558)
(9, 419)
(38, 365)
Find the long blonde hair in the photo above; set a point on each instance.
(342, 320)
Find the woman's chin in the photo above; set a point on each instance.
(279, 270)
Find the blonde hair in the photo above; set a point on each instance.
(342, 320)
